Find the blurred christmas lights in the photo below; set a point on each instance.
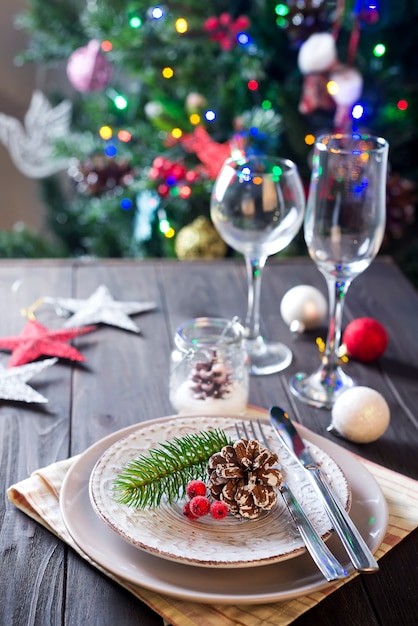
(110, 150)
(106, 46)
(176, 133)
(194, 119)
(126, 204)
(357, 111)
(181, 25)
(164, 225)
(156, 13)
(124, 135)
(379, 50)
(243, 39)
(117, 98)
(135, 22)
(105, 132)
(281, 9)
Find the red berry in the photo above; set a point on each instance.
(199, 506)
(196, 488)
(187, 512)
(219, 509)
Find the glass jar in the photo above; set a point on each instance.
(209, 368)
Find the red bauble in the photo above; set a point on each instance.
(365, 339)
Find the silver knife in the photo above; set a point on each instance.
(357, 549)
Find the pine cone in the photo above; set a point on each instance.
(211, 379)
(243, 477)
(100, 174)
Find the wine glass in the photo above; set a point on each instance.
(344, 228)
(257, 206)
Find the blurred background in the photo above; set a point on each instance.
(19, 195)
(133, 106)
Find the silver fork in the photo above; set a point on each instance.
(330, 567)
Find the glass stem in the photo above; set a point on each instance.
(337, 290)
(254, 269)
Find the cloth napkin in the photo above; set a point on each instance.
(38, 497)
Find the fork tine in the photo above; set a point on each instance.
(244, 430)
(263, 436)
(254, 434)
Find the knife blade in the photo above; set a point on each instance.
(354, 544)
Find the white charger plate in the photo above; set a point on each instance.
(270, 583)
(205, 542)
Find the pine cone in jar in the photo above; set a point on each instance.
(244, 478)
(212, 378)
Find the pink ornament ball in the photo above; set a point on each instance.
(88, 69)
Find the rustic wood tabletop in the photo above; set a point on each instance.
(125, 380)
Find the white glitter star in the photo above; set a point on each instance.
(101, 307)
(13, 381)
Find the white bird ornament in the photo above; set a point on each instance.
(31, 145)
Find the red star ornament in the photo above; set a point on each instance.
(36, 340)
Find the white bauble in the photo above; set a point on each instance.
(153, 109)
(360, 414)
(303, 307)
(347, 85)
(317, 54)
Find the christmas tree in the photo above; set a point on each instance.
(162, 94)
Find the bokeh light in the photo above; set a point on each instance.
(157, 13)
(105, 132)
(106, 45)
(181, 25)
(210, 115)
(379, 50)
(126, 204)
(124, 135)
(135, 22)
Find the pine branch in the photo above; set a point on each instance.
(165, 470)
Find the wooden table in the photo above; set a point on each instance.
(125, 380)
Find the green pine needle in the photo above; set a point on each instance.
(165, 470)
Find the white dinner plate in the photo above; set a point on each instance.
(205, 542)
(269, 583)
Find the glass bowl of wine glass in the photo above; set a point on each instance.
(257, 207)
(344, 228)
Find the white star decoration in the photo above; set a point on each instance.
(13, 381)
(101, 307)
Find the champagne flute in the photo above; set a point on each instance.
(257, 206)
(344, 228)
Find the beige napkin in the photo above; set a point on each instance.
(38, 497)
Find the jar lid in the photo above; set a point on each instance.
(209, 331)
